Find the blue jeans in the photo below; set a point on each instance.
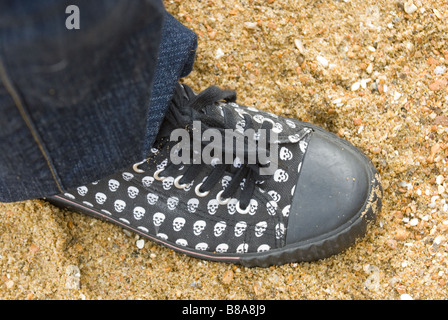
(77, 105)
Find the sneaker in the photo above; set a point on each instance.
(316, 201)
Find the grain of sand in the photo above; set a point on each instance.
(374, 72)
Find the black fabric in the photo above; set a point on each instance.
(178, 216)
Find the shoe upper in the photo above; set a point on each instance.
(319, 184)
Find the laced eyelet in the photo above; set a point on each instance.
(136, 168)
(245, 211)
(177, 185)
(220, 200)
(199, 193)
(156, 175)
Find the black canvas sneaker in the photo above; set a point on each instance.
(317, 200)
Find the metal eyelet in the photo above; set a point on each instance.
(179, 186)
(156, 175)
(136, 168)
(245, 211)
(220, 200)
(199, 193)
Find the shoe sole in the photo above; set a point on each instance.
(318, 248)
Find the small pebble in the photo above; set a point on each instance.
(227, 277)
(410, 8)
(140, 243)
(405, 296)
(322, 61)
(219, 53)
(355, 86)
(299, 46)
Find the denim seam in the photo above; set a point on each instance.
(26, 118)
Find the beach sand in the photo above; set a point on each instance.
(373, 72)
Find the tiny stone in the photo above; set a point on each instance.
(219, 53)
(140, 243)
(322, 61)
(401, 234)
(299, 46)
(437, 13)
(9, 284)
(410, 8)
(250, 25)
(355, 86)
(227, 277)
(405, 296)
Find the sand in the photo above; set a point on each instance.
(374, 72)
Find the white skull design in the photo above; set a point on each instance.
(237, 162)
(198, 227)
(263, 248)
(240, 227)
(290, 123)
(158, 219)
(162, 164)
(147, 181)
(285, 211)
(119, 205)
(162, 236)
(260, 228)
(127, 176)
(242, 248)
(167, 183)
(279, 230)
(222, 248)
(219, 228)
(182, 242)
(172, 202)
(275, 195)
(242, 183)
(303, 145)
(280, 175)
(294, 138)
(82, 190)
(192, 205)
(285, 154)
(188, 186)
(133, 192)
(178, 223)
(100, 197)
(253, 206)
(277, 128)
(212, 206)
(152, 198)
(258, 118)
(231, 206)
(271, 206)
(113, 185)
(225, 181)
(139, 212)
(240, 125)
(201, 246)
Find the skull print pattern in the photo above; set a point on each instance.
(180, 216)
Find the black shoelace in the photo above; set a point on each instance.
(187, 107)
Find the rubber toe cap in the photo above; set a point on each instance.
(333, 187)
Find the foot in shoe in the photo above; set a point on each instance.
(317, 202)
